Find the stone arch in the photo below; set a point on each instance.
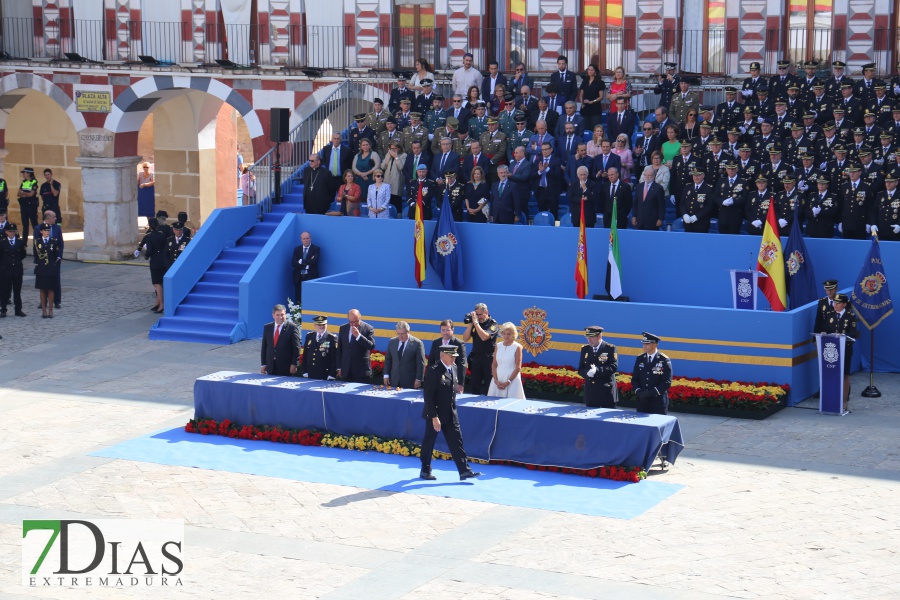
(30, 81)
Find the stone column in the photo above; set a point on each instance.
(110, 207)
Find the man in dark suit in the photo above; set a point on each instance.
(622, 121)
(356, 340)
(583, 190)
(440, 414)
(336, 158)
(319, 351)
(280, 345)
(417, 157)
(520, 176)
(579, 159)
(493, 79)
(12, 253)
(461, 113)
(304, 263)
(520, 80)
(645, 145)
(429, 190)
(503, 203)
(604, 161)
(475, 158)
(598, 366)
(649, 204)
(564, 80)
(543, 113)
(569, 116)
(617, 190)
(317, 187)
(546, 176)
(525, 102)
(404, 361)
(447, 160)
(567, 145)
(448, 338)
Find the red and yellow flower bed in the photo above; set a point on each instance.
(309, 437)
(685, 391)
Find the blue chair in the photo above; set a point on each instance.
(587, 135)
(364, 210)
(599, 223)
(544, 218)
(714, 226)
(678, 224)
(744, 227)
(523, 220)
(335, 207)
(565, 220)
(392, 211)
(563, 208)
(436, 213)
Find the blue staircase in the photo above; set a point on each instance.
(209, 313)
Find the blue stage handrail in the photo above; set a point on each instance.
(221, 230)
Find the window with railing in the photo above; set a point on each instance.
(809, 30)
(603, 38)
(715, 36)
(414, 34)
(518, 33)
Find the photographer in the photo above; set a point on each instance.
(482, 330)
(666, 85)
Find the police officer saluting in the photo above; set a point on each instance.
(482, 330)
(651, 378)
(319, 352)
(598, 365)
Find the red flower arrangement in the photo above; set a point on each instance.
(310, 437)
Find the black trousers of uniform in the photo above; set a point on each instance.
(480, 365)
(29, 209)
(11, 285)
(729, 229)
(653, 406)
(453, 436)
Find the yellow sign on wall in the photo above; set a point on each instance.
(93, 101)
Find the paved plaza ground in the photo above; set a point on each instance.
(797, 506)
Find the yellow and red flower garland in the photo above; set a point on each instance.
(309, 437)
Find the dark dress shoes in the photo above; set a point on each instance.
(19, 313)
(469, 475)
(427, 475)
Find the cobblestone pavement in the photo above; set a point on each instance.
(796, 506)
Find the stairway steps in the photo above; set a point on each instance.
(222, 277)
(215, 289)
(207, 313)
(210, 301)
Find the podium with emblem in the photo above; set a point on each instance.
(832, 349)
(744, 288)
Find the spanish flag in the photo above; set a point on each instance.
(419, 242)
(581, 271)
(771, 262)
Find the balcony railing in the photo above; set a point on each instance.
(712, 51)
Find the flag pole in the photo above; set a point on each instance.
(871, 391)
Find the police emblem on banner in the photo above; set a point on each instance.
(445, 244)
(872, 284)
(744, 288)
(794, 261)
(535, 331)
(830, 353)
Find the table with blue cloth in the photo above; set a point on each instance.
(534, 432)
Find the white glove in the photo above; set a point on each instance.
(743, 129)
(329, 378)
(686, 218)
(869, 229)
(746, 93)
(782, 223)
(841, 227)
(814, 113)
(592, 371)
(822, 166)
(816, 211)
(895, 228)
(672, 200)
(802, 185)
(757, 223)
(137, 253)
(760, 119)
(897, 89)
(872, 228)
(306, 374)
(727, 202)
(300, 262)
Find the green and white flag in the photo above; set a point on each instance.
(614, 264)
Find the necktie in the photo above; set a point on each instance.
(416, 164)
(443, 162)
(605, 158)
(620, 119)
(543, 183)
(335, 162)
(646, 189)
(613, 192)
(318, 338)
(502, 185)
(519, 162)
(277, 333)
(731, 182)
(569, 145)
(400, 351)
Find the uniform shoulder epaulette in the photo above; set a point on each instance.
(665, 356)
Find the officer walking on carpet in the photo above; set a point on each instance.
(598, 365)
(440, 415)
(319, 352)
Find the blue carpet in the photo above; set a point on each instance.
(509, 486)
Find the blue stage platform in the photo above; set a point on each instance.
(527, 431)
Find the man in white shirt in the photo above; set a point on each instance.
(466, 76)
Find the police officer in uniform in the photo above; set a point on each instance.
(856, 207)
(404, 115)
(478, 122)
(423, 103)
(696, 204)
(399, 94)
(319, 359)
(416, 132)
(886, 216)
(176, 244)
(456, 194)
(825, 305)
(666, 85)
(520, 137)
(429, 190)
(436, 117)
(841, 320)
(882, 106)
(786, 201)
(821, 210)
(808, 82)
(758, 205)
(482, 330)
(651, 378)
(885, 152)
(28, 201)
(833, 84)
(12, 253)
(728, 113)
(730, 195)
(439, 390)
(361, 131)
(598, 366)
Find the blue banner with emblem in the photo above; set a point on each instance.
(743, 289)
(445, 256)
(831, 347)
(798, 268)
(871, 298)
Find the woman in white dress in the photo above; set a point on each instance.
(379, 197)
(507, 366)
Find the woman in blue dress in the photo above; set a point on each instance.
(364, 165)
